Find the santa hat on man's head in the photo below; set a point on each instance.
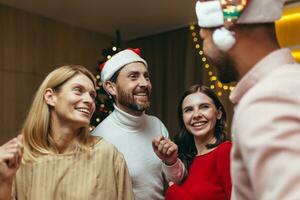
(223, 14)
(119, 60)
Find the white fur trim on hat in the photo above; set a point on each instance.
(209, 14)
(223, 39)
(118, 61)
(262, 11)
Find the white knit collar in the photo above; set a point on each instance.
(128, 121)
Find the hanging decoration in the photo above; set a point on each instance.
(215, 84)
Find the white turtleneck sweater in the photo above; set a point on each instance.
(133, 137)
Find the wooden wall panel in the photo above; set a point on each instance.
(30, 47)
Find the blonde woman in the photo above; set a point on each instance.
(61, 159)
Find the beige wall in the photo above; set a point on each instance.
(30, 47)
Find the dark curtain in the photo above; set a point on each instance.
(174, 65)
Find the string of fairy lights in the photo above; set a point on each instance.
(214, 83)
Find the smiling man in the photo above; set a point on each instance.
(135, 134)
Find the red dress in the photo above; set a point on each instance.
(208, 179)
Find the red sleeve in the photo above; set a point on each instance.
(224, 167)
(175, 192)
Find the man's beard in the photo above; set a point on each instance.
(128, 100)
(225, 66)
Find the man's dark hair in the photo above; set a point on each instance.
(115, 76)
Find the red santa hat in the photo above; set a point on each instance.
(223, 14)
(119, 60)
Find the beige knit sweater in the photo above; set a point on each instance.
(99, 173)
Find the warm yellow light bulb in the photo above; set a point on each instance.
(213, 78)
(220, 85)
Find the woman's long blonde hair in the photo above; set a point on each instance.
(37, 126)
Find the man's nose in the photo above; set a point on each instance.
(201, 33)
(144, 81)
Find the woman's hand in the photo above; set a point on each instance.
(10, 158)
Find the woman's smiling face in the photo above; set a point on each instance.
(74, 102)
(199, 114)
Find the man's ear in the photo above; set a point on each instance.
(50, 97)
(110, 88)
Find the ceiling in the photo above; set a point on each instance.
(134, 18)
